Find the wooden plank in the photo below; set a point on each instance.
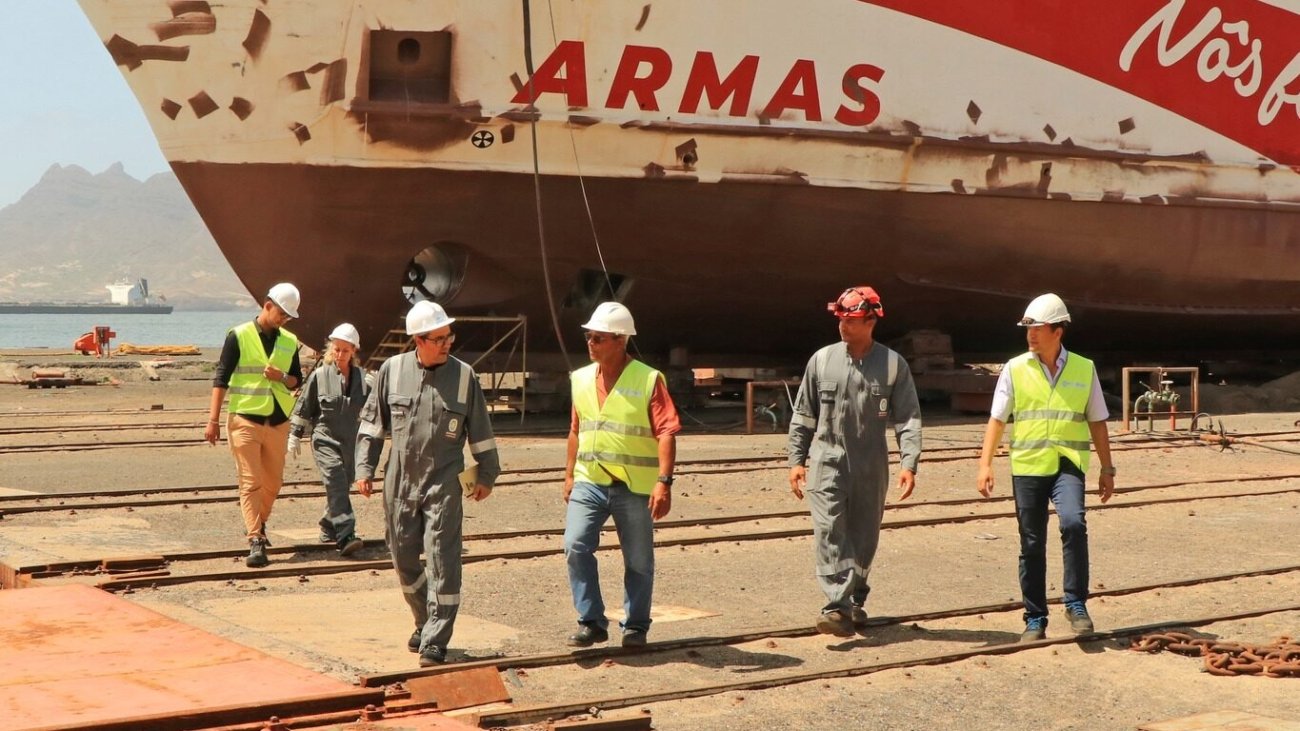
(617, 722)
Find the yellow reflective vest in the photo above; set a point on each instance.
(1050, 421)
(250, 391)
(615, 441)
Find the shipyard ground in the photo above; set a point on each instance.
(1189, 522)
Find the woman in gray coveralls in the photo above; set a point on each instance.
(330, 405)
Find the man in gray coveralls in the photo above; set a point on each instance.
(850, 392)
(431, 404)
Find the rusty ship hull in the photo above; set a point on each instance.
(726, 183)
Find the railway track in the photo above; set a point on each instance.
(159, 573)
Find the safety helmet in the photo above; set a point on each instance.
(425, 317)
(285, 296)
(1046, 309)
(856, 302)
(611, 317)
(348, 334)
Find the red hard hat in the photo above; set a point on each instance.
(857, 302)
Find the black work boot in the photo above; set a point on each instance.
(256, 553)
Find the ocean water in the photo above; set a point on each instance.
(57, 332)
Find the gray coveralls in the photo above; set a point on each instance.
(430, 413)
(838, 431)
(332, 416)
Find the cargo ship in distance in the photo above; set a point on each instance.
(124, 298)
(727, 167)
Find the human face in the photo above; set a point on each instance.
(1043, 339)
(434, 347)
(857, 331)
(601, 344)
(344, 352)
(273, 316)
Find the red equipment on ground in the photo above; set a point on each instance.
(95, 341)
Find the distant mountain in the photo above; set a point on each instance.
(75, 232)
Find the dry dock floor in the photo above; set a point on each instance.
(1187, 514)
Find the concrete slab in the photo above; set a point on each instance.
(75, 655)
(666, 613)
(8, 491)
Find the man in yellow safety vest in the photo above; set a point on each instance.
(259, 369)
(1059, 413)
(621, 452)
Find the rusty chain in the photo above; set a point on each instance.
(1280, 659)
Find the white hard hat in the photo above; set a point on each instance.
(286, 296)
(348, 334)
(611, 317)
(1046, 309)
(425, 317)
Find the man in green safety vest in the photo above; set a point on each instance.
(621, 451)
(1055, 400)
(259, 369)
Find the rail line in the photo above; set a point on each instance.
(157, 576)
(571, 657)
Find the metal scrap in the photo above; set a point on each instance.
(1281, 659)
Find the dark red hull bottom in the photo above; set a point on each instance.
(739, 272)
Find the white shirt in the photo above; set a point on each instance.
(1004, 396)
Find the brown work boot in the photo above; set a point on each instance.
(835, 623)
(859, 617)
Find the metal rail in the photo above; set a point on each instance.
(123, 584)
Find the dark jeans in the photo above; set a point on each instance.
(1065, 490)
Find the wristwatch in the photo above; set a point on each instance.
(666, 479)
(1109, 471)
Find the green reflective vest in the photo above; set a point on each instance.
(250, 391)
(615, 441)
(1050, 421)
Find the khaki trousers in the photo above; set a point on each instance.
(259, 451)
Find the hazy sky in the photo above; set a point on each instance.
(64, 100)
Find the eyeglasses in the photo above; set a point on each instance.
(439, 341)
(598, 338)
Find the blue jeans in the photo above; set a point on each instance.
(589, 507)
(1065, 490)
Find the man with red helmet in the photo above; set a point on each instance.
(839, 455)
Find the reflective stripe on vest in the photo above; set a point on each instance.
(615, 440)
(250, 391)
(1050, 421)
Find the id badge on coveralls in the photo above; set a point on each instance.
(880, 400)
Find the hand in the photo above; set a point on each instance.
(984, 483)
(1106, 487)
(798, 480)
(661, 501)
(271, 373)
(293, 446)
(906, 483)
(212, 432)
(568, 487)
(365, 486)
(480, 492)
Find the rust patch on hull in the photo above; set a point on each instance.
(186, 24)
(132, 56)
(258, 31)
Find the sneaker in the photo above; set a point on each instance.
(413, 644)
(1035, 629)
(349, 546)
(256, 553)
(634, 638)
(1080, 622)
(835, 623)
(433, 656)
(327, 537)
(588, 635)
(859, 617)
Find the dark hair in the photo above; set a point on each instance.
(1057, 326)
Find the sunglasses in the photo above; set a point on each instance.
(439, 341)
(598, 338)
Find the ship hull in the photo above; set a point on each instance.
(736, 271)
